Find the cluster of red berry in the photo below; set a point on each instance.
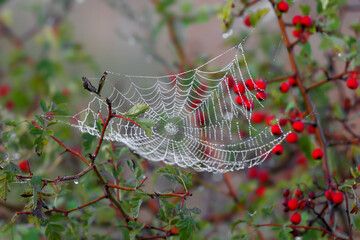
(240, 90)
(302, 27)
(352, 81)
(262, 175)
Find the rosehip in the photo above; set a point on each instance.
(258, 117)
(247, 21)
(261, 95)
(317, 153)
(293, 204)
(329, 194)
(283, 6)
(4, 90)
(275, 129)
(278, 149)
(260, 85)
(338, 197)
(295, 218)
(298, 126)
(306, 21)
(296, 19)
(352, 83)
(292, 137)
(239, 88)
(284, 87)
(249, 83)
(292, 81)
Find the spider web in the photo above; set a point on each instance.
(198, 123)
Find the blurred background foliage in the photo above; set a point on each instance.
(47, 46)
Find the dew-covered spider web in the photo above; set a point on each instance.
(198, 122)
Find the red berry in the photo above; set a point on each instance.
(9, 105)
(296, 33)
(261, 96)
(4, 90)
(253, 173)
(292, 81)
(286, 192)
(283, 6)
(298, 126)
(65, 92)
(275, 129)
(296, 19)
(338, 197)
(317, 153)
(269, 120)
(258, 117)
(295, 218)
(240, 99)
(239, 88)
(249, 83)
(282, 121)
(260, 85)
(248, 104)
(298, 193)
(230, 81)
(293, 204)
(352, 83)
(201, 118)
(247, 21)
(24, 166)
(292, 137)
(263, 176)
(311, 195)
(284, 87)
(260, 191)
(278, 149)
(311, 129)
(301, 159)
(329, 194)
(306, 21)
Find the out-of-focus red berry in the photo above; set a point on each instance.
(286, 192)
(261, 95)
(239, 88)
(278, 149)
(298, 126)
(306, 21)
(338, 197)
(282, 121)
(283, 6)
(276, 130)
(249, 83)
(269, 119)
(263, 176)
(352, 83)
(260, 85)
(230, 81)
(4, 90)
(292, 81)
(296, 19)
(293, 204)
(260, 191)
(311, 129)
(295, 218)
(248, 104)
(298, 193)
(292, 137)
(329, 194)
(9, 105)
(247, 21)
(284, 87)
(24, 166)
(253, 173)
(258, 117)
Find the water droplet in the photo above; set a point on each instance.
(228, 33)
(76, 181)
(339, 54)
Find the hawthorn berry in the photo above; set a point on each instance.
(298, 193)
(311, 129)
(239, 88)
(201, 118)
(230, 81)
(248, 104)
(9, 105)
(247, 21)
(239, 99)
(329, 194)
(263, 176)
(298, 126)
(292, 137)
(296, 33)
(260, 95)
(4, 90)
(352, 83)
(301, 159)
(286, 192)
(249, 83)
(284, 87)
(293, 204)
(260, 191)
(338, 197)
(317, 153)
(292, 81)
(276, 130)
(269, 119)
(24, 166)
(258, 117)
(295, 218)
(306, 21)
(282, 121)
(296, 19)
(311, 195)
(283, 6)
(253, 173)
(285, 201)
(260, 85)
(278, 149)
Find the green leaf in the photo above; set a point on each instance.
(324, 3)
(12, 168)
(305, 9)
(36, 131)
(55, 236)
(36, 181)
(43, 106)
(137, 109)
(3, 187)
(56, 218)
(56, 227)
(338, 111)
(185, 226)
(237, 222)
(147, 122)
(135, 206)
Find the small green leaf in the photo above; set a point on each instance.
(137, 109)
(135, 206)
(36, 131)
(237, 222)
(3, 187)
(43, 106)
(324, 3)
